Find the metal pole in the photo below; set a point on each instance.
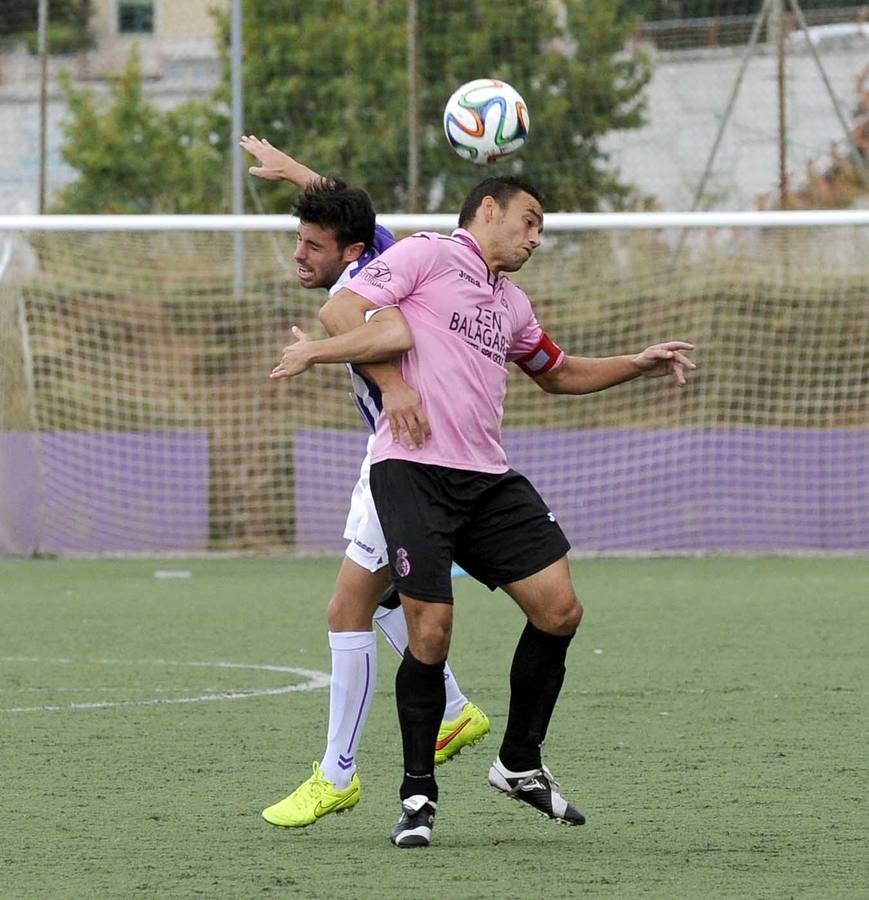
(42, 45)
(859, 165)
(777, 22)
(755, 32)
(237, 118)
(412, 108)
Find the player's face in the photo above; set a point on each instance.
(517, 230)
(319, 259)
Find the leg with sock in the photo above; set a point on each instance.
(464, 723)
(389, 618)
(334, 785)
(354, 676)
(420, 697)
(536, 677)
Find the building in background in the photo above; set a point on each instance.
(172, 36)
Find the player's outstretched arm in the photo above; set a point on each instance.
(275, 165)
(382, 338)
(585, 375)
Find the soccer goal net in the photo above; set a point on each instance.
(136, 413)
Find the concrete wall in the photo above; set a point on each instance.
(687, 100)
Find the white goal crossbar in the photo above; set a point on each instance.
(400, 222)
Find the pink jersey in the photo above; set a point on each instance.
(467, 324)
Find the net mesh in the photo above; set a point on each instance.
(137, 415)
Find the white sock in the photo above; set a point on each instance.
(354, 675)
(394, 627)
(456, 700)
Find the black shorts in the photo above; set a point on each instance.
(496, 527)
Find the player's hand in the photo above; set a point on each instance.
(407, 419)
(295, 359)
(273, 164)
(665, 359)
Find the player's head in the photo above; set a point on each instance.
(505, 214)
(336, 226)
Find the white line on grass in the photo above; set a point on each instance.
(314, 681)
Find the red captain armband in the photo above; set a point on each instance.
(545, 356)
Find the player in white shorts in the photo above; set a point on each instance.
(337, 236)
(367, 545)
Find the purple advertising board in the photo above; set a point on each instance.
(103, 492)
(685, 490)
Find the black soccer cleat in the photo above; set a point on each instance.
(537, 788)
(415, 826)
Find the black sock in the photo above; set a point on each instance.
(421, 698)
(536, 677)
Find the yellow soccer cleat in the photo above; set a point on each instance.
(312, 800)
(471, 726)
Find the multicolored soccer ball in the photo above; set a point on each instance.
(486, 120)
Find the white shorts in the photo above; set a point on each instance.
(367, 547)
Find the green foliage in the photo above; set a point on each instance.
(134, 158)
(61, 38)
(68, 22)
(329, 83)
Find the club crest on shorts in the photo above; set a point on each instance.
(402, 563)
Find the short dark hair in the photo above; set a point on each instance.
(501, 188)
(348, 211)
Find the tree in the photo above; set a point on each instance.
(68, 22)
(328, 81)
(133, 158)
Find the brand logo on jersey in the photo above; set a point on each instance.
(484, 331)
(402, 563)
(376, 273)
(550, 516)
(365, 547)
(469, 278)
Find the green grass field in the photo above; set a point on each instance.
(713, 725)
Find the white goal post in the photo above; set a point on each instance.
(136, 415)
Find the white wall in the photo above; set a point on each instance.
(687, 99)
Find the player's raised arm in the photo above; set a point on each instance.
(585, 375)
(275, 165)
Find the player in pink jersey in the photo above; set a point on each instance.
(336, 237)
(456, 498)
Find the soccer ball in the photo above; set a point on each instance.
(486, 120)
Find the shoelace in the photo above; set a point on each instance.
(543, 773)
(314, 787)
